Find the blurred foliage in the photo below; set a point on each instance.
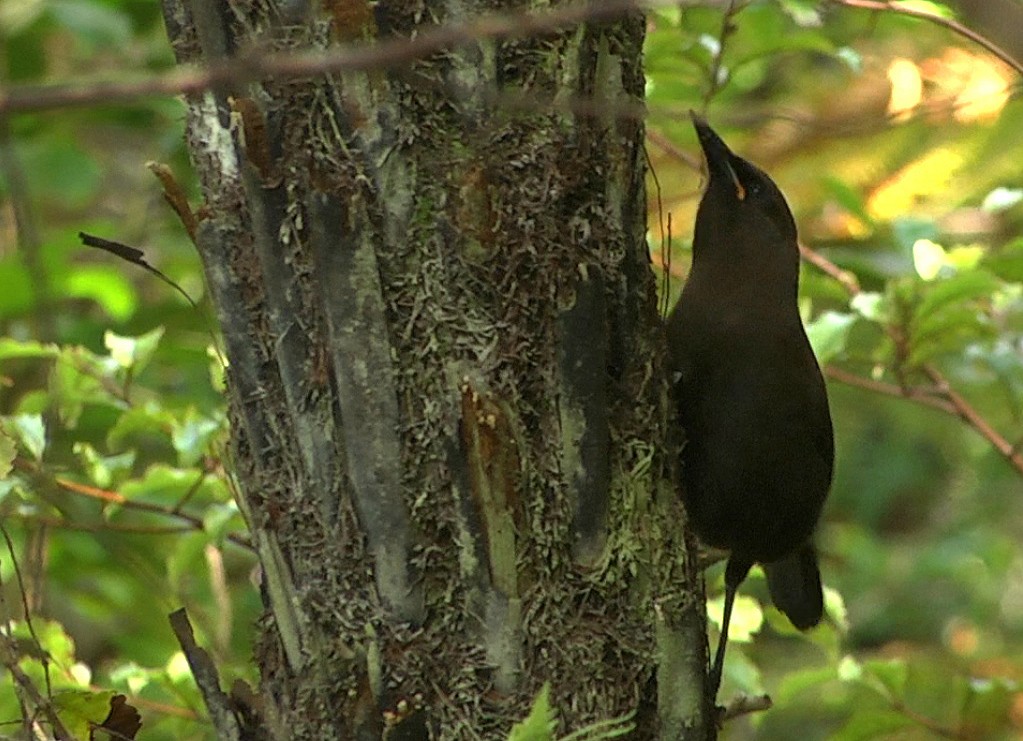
(117, 506)
(898, 144)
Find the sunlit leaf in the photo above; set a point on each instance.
(29, 430)
(870, 305)
(747, 617)
(828, 334)
(79, 710)
(928, 258)
(133, 352)
(1002, 198)
(105, 285)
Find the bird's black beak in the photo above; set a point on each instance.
(719, 156)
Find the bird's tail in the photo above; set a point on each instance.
(795, 586)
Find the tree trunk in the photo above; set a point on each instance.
(450, 418)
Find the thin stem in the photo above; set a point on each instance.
(952, 25)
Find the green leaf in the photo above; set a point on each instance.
(95, 22)
(62, 172)
(103, 470)
(849, 198)
(962, 287)
(945, 331)
(17, 296)
(220, 519)
(797, 682)
(133, 352)
(803, 12)
(161, 483)
(137, 423)
(192, 436)
(187, 562)
(105, 285)
(870, 305)
(80, 710)
(828, 334)
(10, 349)
(1007, 263)
(891, 673)
(872, 724)
(988, 704)
(539, 724)
(747, 617)
(29, 430)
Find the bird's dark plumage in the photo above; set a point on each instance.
(757, 462)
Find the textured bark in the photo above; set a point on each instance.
(449, 414)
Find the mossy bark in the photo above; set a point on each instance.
(450, 419)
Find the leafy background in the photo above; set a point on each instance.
(899, 145)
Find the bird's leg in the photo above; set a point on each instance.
(735, 573)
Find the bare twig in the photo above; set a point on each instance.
(206, 678)
(110, 497)
(9, 655)
(952, 25)
(727, 29)
(973, 418)
(889, 389)
(846, 278)
(257, 65)
(744, 705)
(931, 725)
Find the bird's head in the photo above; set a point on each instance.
(742, 210)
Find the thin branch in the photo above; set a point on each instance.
(256, 64)
(9, 656)
(744, 705)
(931, 725)
(890, 389)
(972, 417)
(99, 527)
(110, 497)
(952, 25)
(846, 278)
(727, 29)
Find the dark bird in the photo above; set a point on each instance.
(758, 456)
